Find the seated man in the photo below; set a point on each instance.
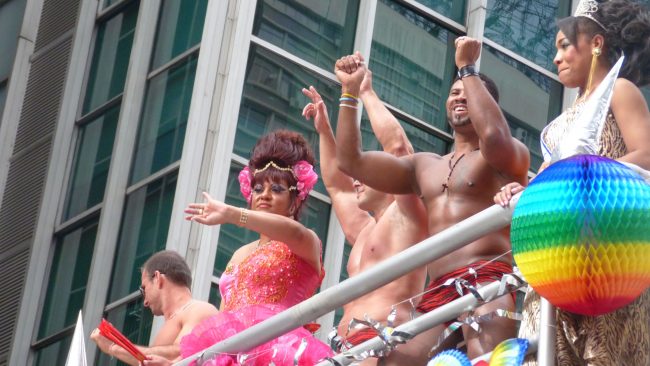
(453, 187)
(166, 281)
(376, 224)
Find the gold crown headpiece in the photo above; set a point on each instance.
(276, 166)
(587, 9)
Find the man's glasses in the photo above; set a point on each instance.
(141, 288)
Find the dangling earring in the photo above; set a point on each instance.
(594, 60)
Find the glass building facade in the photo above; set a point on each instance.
(175, 94)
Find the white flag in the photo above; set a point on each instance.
(77, 353)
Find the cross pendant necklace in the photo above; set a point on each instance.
(445, 185)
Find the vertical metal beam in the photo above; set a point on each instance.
(125, 139)
(476, 15)
(547, 334)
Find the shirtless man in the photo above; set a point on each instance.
(166, 281)
(453, 187)
(377, 225)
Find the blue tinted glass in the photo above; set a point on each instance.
(526, 27)
(55, 353)
(144, 231)
(412, 60)
(111, 57)
(528, 98)
(3, 96)
(453, 9)
(66, 289)
(421, 140)
(273, 99)
(91, 162)
(180, 28)
(319, 31)
(164, 119)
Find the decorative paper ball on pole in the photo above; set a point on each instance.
(581, 234)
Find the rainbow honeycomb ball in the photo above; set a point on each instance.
(581, 234)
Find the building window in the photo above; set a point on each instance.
(529, 99)
(91, 161)
(65, 297)
(421, 139)
(452, 9)
(179, 29)
(144, 232)
(111, 58)
(3, 96)
(11, 19)
(318, 31)
(526, 27)
(164, 119)
(272, 99)
(412, 60)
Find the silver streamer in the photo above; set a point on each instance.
(585, 133)
(414, 312)
(301, 349)
(509, 283)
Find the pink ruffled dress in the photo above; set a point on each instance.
(268, 281)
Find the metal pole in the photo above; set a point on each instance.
(424, 322)
(491, 219)
(547, 334)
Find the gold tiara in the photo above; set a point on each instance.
(276, 166)
(586, 9)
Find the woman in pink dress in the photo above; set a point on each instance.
(273, 273)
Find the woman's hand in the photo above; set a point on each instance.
(316, 110)
(503, 197)
(212, 212)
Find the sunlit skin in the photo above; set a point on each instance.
(174, 303)
(272, 206)
(377, 225)
(147, 283)
(456, 105)
(628, 105)
(477, 122)
(272, 197)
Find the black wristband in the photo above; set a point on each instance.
(467, 70)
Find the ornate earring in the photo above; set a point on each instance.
(595, 52)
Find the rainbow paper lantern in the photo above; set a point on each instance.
(581, 234)
(510, 352)
(450, 357)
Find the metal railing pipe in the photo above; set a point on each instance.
(491, 219)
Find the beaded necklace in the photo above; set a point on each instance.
(445, 185)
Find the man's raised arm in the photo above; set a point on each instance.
(371, 167)
(502, 151)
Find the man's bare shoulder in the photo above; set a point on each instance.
(197, 312)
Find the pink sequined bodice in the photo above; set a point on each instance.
(271, 274)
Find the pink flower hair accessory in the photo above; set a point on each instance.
(245, 178)
(306, 176)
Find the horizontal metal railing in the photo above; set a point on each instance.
(491, 219)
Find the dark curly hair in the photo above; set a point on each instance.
(628, 31)
(285, 148)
